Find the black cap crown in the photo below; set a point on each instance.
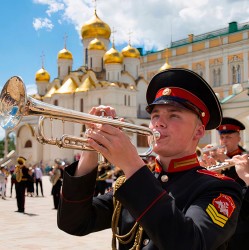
(187, 88)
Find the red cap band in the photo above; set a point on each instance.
(188, 96)
(228, 127)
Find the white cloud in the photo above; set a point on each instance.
(40, 23)
(153, 22)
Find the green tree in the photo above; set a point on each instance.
(11, 144)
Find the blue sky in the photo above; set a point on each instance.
(32, 28)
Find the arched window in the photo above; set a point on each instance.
(28, 144)
(233, 75)
(238, 74)
(214, 78)
(81, 105)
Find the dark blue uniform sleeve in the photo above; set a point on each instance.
(80, 213)
(194, 226)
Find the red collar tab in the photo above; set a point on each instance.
(158, 167)
(238, 151)
(181, 164)
(229, 127)
(184, 163)
(188, 96)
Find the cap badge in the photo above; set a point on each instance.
(166, 91)
(203, 114)
(224, 127)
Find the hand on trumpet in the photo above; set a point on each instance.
(241, 163)
(112, 143)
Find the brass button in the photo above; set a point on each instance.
(146, 242)
(164, 178)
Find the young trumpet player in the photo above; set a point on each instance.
(180, 205)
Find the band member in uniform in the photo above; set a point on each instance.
(56, 177)
(179, 206)
(22, 177)
(229, 132)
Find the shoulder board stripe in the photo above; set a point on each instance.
(216, 217)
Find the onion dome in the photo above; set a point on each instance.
(165, 66)
(42, 75)
(95, 27)
(96, 44)
(65, 54)
(129, 51)
(113, 56)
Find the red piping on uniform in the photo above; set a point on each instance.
(148, 208)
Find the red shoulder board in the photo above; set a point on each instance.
(214, 174)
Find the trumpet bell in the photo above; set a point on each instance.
(12, 100)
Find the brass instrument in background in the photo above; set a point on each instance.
(201, 151)
(15, 104)
(8, 159)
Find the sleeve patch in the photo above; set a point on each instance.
(221, 209)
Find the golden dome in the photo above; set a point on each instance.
(68, 87)
(95, 27)
(51, 92)
(42, 75)
(129, 51)
(86, 85)
(65, 54)
(165, 66)
(96, 44)
(113, 56)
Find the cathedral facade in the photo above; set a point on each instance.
(120, 78)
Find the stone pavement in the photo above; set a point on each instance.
(37, 228)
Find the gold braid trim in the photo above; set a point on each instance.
(136, 231)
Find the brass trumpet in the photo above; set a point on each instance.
(15, 104)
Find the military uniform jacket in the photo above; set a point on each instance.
(190, 208)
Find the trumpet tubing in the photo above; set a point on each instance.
(221, 166)
(15, 104)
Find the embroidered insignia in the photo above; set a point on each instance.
(221, 209)
(166, 91)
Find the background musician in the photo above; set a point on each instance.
(229, 132)
(22, 176)
(56, 177)
(180, 205)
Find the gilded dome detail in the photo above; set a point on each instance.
(50, 92)
(42, 75)
(95, 27)
(96, 44)
(113, 56)
(129, 51)
(68, 87)
(65, 54)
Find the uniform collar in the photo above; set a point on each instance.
(180, 164)
(237, 151)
